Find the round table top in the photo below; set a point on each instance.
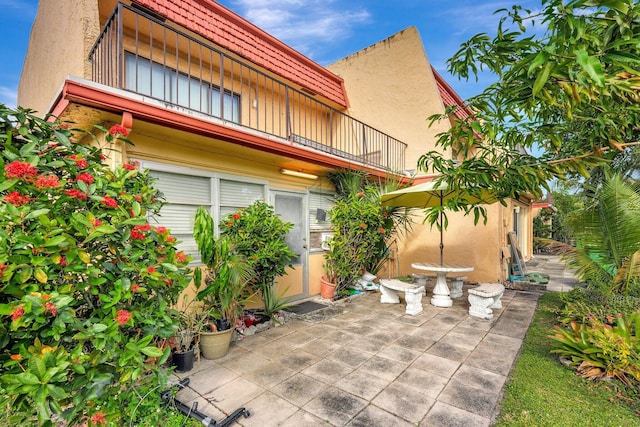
(437, 267)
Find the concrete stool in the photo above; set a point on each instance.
(484, 298)
(389, 289)
(456, 285)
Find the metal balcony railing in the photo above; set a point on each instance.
(140, 53)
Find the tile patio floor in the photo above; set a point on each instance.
(372, 365)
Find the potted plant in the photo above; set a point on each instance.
(187, 337)
(223, 287)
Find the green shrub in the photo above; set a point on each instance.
(600, 349)
(259, 235)
(87, 284)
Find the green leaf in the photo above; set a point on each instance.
(27, 378)
(37, 213)
(591, 65)
(8, 184)
(152, 351)
(57, 392)
(5, 309)
(56, 241)
(542, 78)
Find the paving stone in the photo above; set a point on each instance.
(210, 379)
(299, 389)
(335, 406)
(368, 344)
(298, 360)
(483, 380)
(268, 409)
(275, 349)
(404, 402)
(463, 338)
(320, 347)
(446, 415)
(399, 353)
(492, 357)
(362, 384)
(328, 371)
(374, 416)
(384, 368)
(413, 342)
(436, 364)
(449, 351)
(303, 419)
(298, 338)
(460, 395)
(427, 383)
(269, 375)
(349, 356)
(503, 341)
(234, 394)
(245, 362)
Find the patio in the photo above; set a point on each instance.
(365, 363)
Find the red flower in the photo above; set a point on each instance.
(16, 198)
(363, 225)
(47, 181)
(17, 169)
(236, 216)
(115, 129)
(230, 224)
(50, 307)
(360, 194)
(17, 313)
(161, 230)
(16, 357)
(98, 418)
(45, 297)
(86, 178)
(385, 214)
(129, 167)
(168, 282)
(136, 234)
(76, 194)
(151, 269)
(81, 163)
(381, 230)
(181, 257)
(96, 222)
(3, 268)
(109, 202)
(171, 239)
(103, 157)
(144, 227)
(123, 317)
(135, 287)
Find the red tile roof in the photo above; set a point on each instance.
(227, 29)
(451, 98)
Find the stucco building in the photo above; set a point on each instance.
(223, 114)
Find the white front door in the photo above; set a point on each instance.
(291, 207)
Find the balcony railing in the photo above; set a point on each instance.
(142, 54)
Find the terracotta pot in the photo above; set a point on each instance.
(214, 345)
(327, 289)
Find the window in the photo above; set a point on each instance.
(319, 205)
(186, 189)
(167, 84)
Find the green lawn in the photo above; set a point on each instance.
(542, 392)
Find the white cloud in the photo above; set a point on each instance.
(8, 96)
(303, 23)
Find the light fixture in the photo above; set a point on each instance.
(298, 174)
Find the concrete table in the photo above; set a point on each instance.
(441, 296)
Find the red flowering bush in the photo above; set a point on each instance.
(86, 283)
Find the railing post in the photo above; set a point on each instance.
(119, 50)
(287, 114)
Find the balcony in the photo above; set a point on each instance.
(142, 54)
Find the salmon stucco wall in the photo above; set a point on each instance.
(391, 86)
(62, 35)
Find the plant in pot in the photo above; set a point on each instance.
(222, 288)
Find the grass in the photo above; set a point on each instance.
(542, 392)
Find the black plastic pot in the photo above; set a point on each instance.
(183, 361)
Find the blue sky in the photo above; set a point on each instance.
(323, 30)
